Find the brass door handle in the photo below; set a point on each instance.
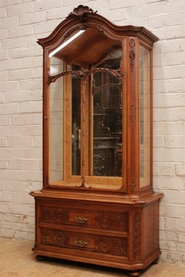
(81, 219)
(81, 243)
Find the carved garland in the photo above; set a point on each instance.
(83, 73)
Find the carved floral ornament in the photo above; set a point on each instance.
(132, 53)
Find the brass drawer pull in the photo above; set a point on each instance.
(81, 219)
(81, 243)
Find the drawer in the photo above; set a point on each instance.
(110, 245)
(89, 216)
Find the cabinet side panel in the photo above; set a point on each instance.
(150, 229)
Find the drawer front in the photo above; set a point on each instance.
(87, 242)
(87, 217)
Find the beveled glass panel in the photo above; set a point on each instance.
(107, 119)
(56, 116)
(144, 115)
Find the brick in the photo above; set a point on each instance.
(116, 4)
(11, 43)
(2, 12)
(31, 62)
(27, 130)
(166, 155)
(173, 211)
(9, 3)
(2, 96)
(168, 72)
(32, 176)
(3, 54)
(6, 23)
(174, 6)
(147, 10)
(165, 169)
(24, 73)
(165, 46)
(118, 17)
(46, 5)
(172, 19)
(14, 97)
(9, 86)
(23, 119)
(20, 142)
(17, 10)
(2, 142)
(31, 84)
(163, 183)
(47, 26)
(58, 13)
(20, 31)
(178, 224)
(174, 142)
(168, 128)
(158, 142)
(173, 58)
(33, 107)
(176, 86)
(12, 108)
(3, 162)
(22, 52)
(10, 64)
(180, 170)
(175, 32)
(172, 114)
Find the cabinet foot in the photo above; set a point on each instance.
(156, 261)
(40, 258)
(135, 273)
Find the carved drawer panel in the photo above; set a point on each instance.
(87, 242)
(87, 218)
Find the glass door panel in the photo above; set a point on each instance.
(56, 116)
(76, 123)
(144, 116)
(107, 119)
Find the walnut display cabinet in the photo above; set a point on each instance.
(97, 204)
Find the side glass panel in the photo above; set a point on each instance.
(107, 119)
(56, 117)
(76, 122)
(144, 116)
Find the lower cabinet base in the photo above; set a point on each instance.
(112, 233)
(128, 269)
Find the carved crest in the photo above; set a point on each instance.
(81, 11)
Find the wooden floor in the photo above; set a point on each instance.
(17, 259)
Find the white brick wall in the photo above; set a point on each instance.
(21, 24)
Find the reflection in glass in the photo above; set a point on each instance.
(144, 116)
(56, 123)
(107, 119)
